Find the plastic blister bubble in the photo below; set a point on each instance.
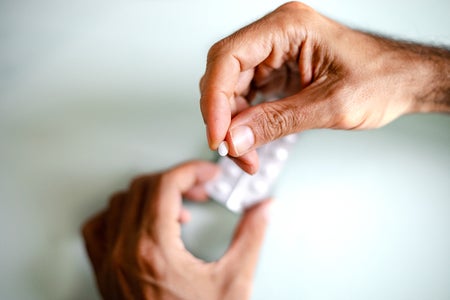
(238, 190)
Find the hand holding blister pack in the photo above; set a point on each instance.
(238, 190)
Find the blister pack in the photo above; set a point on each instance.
(238, 190)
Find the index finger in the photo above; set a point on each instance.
(217, 91)
(227, 59)
(165, 204)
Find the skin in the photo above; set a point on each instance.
(324, 75)
(136, 250)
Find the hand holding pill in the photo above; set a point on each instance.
(322, 80)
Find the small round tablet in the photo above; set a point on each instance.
(223, 148)
(281, 153)
(232, 170)
(270, 170)
(259, 186)
(234, 205)
(291, 138)
(222, 187)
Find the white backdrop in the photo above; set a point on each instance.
(95, 92)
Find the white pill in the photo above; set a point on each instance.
(232, 170)
(259, 187)
(290, 138)
(281, 154)
(222, 188)
(223, 148)
(234, 204)
(270, 170)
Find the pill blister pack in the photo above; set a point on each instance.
(238, 190)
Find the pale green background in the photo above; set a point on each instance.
(94, 92)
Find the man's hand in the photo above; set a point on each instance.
(137, 252)
(324, 74)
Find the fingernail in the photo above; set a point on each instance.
(242, 138)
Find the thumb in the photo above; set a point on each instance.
(268, 121)
(242, 256)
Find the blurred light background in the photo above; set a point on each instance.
(95, 92)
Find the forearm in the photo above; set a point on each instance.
(427, 75)
(436, 96)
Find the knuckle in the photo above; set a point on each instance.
(275, 121)
(136, 183)
(141, 182)
(165, 178)
(294, 6)
(294, 15)
(201, 83)
(93, 227)
(215, 50)
(116, 200)
(142, 258)
(291, 5)
(224, 46)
